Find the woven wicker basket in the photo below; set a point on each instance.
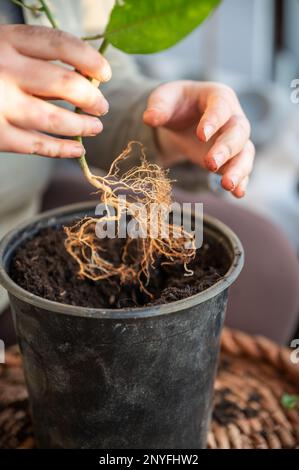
(254, 374)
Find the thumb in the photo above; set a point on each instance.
(162, 105)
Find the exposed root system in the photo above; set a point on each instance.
(147, 191)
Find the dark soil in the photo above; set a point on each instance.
(44, 268)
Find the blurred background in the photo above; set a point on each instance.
(253, 46)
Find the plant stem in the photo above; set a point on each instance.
(92, 38)
(82, 160)
(103, 46)
(48, 13)
(21, 3)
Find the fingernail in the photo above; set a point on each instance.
(212, 165)
(234, 181)
(219, 159)
(106, 73)
(102, 106)
(77, 150)
(154, 116)
(96, 127)
(208, 131)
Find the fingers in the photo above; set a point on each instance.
(223, 129)
(13, 139)
(163, 103)
(236, 171)
(219, 106)
(241, 189)
(26, 73)
(45, 79)
(231, 153)
(231, 141)
(49, 44)
(217, 113)
(32, 113)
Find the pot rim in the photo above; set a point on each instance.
(125, 313)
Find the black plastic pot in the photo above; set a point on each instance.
(127, 378)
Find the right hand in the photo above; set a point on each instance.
(28, 79)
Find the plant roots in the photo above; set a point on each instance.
(146, 185)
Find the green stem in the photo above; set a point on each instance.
(20, 3)
(32, 8)
(82, 160)
(92, 38)
(48, 13)
(103, 46)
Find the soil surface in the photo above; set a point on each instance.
(44, 268)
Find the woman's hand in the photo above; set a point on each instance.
(28, 78)
(204, 122)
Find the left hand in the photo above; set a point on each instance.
(203, 122)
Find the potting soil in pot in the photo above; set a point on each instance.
(43, 267)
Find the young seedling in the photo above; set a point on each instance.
(135, 27)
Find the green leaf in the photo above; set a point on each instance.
(146, 26)
(289, 401)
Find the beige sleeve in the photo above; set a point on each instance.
(127, 94)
